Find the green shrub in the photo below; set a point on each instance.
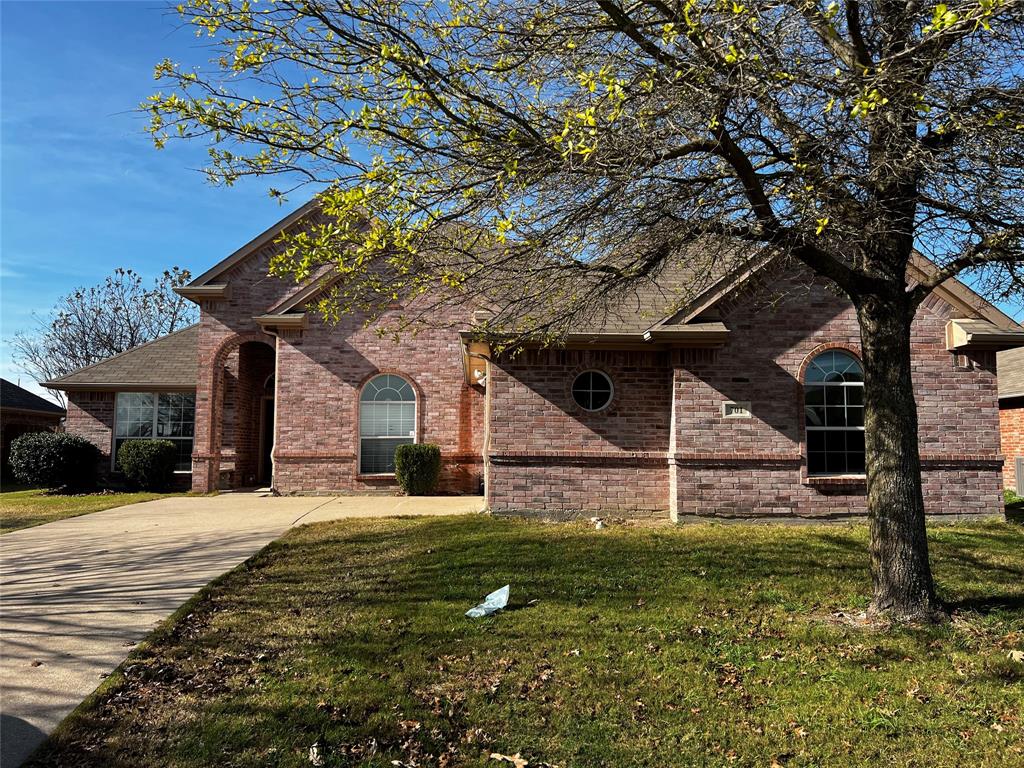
(1011, 498)
(148, 464)
(55, 460)
(418, 468)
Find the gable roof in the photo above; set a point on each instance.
(1010, 369)
(169, 363)
(15, 398)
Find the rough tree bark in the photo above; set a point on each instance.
(900, 572)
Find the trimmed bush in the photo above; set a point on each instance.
(54, 460)
(148, 464)
(418, 468)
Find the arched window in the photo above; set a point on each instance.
(834, 412)
(387, 419)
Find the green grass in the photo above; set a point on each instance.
(694, 646)
(26, 508)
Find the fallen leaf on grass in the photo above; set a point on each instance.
(1017, 656)
(515, 759)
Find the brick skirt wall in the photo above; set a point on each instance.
(568, 485)
(303, 473)
(953, 488)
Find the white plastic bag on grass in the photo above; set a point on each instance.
(493, 603)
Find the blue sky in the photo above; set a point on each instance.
(82, 190)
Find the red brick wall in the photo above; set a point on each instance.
(91, 415)
(320, 376)
(756, 466)
(1011, 426)
(548, 455)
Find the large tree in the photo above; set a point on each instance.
(91, 324)
(581, 145)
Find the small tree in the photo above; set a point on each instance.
(584, 145)
(92, 324)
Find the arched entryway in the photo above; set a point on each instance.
(247, 415)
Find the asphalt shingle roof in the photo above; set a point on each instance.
(167, 362)
(14, 397)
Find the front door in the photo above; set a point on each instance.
(266, 440)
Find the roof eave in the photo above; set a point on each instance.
(57, 414)
(701, 335)
(120, 386)
(199, 293)
(296, 321)
(980, 335)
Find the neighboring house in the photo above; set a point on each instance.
(737, 405)
(22, 411)
(1011, 416)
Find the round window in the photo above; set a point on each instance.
(592, 390)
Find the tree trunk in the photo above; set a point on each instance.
(900, 572)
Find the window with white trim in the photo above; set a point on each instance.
(387, 419)
(834, 414)
(592, 390)
(157, 416)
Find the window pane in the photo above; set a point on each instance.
(184, 456)
(388, 387)
(835, 417)
(835, 463)
(814, 396)
(377, 456)
(815, 417)
(855, 463)
(855, 441)
(816, 462)
(592, 390)
(855, 417)
(835, 395)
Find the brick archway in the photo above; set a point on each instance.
(228, 412)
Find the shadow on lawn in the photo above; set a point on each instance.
(354, 629)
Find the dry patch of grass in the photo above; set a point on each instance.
(696, 646)
(26, 508)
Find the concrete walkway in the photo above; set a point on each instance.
(77, 594)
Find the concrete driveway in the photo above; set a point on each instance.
(77, 594)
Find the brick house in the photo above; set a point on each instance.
(727, 407)
(21, 412)
(1011, 416)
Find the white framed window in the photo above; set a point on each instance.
(834, 414)
(156, 416)
(592, 390)
(387, 419)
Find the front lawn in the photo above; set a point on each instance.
(25, 508)
(711, 645)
